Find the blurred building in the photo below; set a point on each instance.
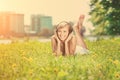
(40, 23)
(11, 23)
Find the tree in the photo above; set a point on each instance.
(105, 16)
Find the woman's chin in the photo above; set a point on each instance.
(62, 39)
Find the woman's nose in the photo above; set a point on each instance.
(62, 33)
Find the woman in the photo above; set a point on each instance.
(64, 42)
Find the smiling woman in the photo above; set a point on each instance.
(63, 40)
(63, 30)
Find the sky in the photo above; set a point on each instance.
(60, 10)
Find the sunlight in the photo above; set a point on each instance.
(2, 6)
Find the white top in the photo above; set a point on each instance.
(81, 50)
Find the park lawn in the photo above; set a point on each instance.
(33, 60)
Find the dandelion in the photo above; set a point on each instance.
(56, 70)
(25, 58)
(110, 59)
(23, 54)
(14, 66)
(116, 62)
(99, 66)
(43, 69)
(94, 55)
(117, 75)
(31, 72)
(62, 73)
(30, 59)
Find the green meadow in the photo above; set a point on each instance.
(34, 60)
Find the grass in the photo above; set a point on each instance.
(33, 60)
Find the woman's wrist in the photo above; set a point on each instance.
(58, 41)
(66, 42)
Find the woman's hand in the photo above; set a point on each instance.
(69, 37)
(56, 37)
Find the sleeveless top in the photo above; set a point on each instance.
(81, 50)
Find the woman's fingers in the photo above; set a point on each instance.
(70, 36)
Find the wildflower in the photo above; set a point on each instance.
(56, 70)
(94, 55)
(23, 54)
(116, 62)
(117, 75)
(62, 73)
(31, 72)
(14, 65)
(25, 58)
(110, 59)
(43, 69)
(30, 59)
(99, 66)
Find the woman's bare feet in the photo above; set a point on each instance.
(78, 26)
(80, 21)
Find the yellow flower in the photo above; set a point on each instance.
(117, 75)
(110, 59)
(30, 59)
(94, 55)
(99, 66)
(31, 72)
(43, 69)
(56, 70)
(116, 62)
(14, 66)
(25, 58)
(62, 73)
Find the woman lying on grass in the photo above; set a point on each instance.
(65, 43)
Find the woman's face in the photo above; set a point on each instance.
(63, 33)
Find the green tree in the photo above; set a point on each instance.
(105, 16)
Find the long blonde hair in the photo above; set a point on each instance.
(63, 24)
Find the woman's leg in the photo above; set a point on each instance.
(77, 28)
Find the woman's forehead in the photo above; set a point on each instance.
(65, 27)
(61, 27)
(63, 23)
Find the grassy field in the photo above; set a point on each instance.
(33, 60)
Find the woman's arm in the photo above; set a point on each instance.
(55, 46)
(70, 44)
(67, 51)
(73, 45)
